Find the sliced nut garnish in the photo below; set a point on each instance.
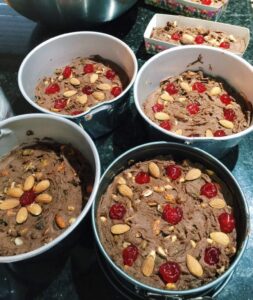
(171, 286)
(194, 266)
(161, 116)
(226, 124)
(220, 238)
(187, 39)
(217, 203)
(166, 97)
(215, 91)
(125, 190)
(126, 244)
(161, 252)
(159, 189)
(22, 215)
(93, 78)
(72, 220)
(181, 99)
(147, 193)
(149, 264)
(104, 86)
(221, 270)
(29, 182)
(210, 172)
(209, 133)
(193, 244)
(210, 241)
(168, 187)
(60, 78)
(179, 131)
(44, 198)
(18, 241)
(15, 192)
(27, 152)
(173, 238)
(99, 95)
(138, 234)
(103, 219)
(34, 208)
(203, 205)
(42, 186)
(59, 221)
(152, 203)
(74, 81)
(9, 204)
(71, 208)
(82, 99)
(193, 174)
(120, 228)
(144, 244)
(121, 180)
(185, 86)
(154, 169)
(69, 93)
(170, 198)
(156, 226)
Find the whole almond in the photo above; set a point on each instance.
(161, 252)
(15, 192)
(93, 78)
(125, 190)
(217, 203)
(215, 91)
(82, 99)
(161, 116)
(34, 208)
(209, 133)
(9, 204)
(44, 198)
(193, 174)
(104, 86)
(159, 189)
(74, 81)
(154, 169)
(147, 193)
(59, 221)
(187, 39)
(121, 180)
(185, 86)
(99, 95)
(220, 238)
(194, 266)
(120, 228)
(70, 93)
(149, 264)
(166, 97)
(226, 124)
(42, 186)
(29, 182)
(22, 215)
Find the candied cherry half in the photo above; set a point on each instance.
(27, 198)
(110, 74)
(199, 39)
(67, 72)
(142, 177)
(157, 107)
(209, 190)
(76, 112)
(116, 90)
(60, 103)
(227, 222)
(199, 87)
(193, 108)
(166, 125)
(130, 254)
(52, 89)
(206, 2)
(176, 36)
(225, 98)
(229, 114)
(173, 215)
(117, 211)
(87, 90)
(211, 256)
(88, 68)
(170, 272)
(219, 133)
(225, 45)
(173, 171)
(171, 88)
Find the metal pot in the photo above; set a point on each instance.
(178, 151)
(18, 130)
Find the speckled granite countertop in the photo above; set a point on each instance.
(77, 275)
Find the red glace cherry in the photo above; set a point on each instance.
(171, 89)
(209, 190)
(225, 45)
(199, 39)
(110, 74)
(173, 215)
(157, 107)
(87, 90)
(199, 87)
(67, 72)
(142, 177)
(229, 114)
(225, 98)
(206, 2)
(52, 89)
(60, 103)
(193, 108)
(170, 272)
(211, 256)
(88, 68)
(219, 133)
(117, 211)
(176, 36)
(76, 112)
(27, 198)
(173, 171)
(116, 90)
(227, 222)
(165, 125)
(130, 254)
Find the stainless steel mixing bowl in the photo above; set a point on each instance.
(70, 12)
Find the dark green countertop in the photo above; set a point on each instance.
(80, 277)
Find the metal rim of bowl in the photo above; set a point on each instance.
(188, 140)
(132, 280)
(62, 36)
(97, 173)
